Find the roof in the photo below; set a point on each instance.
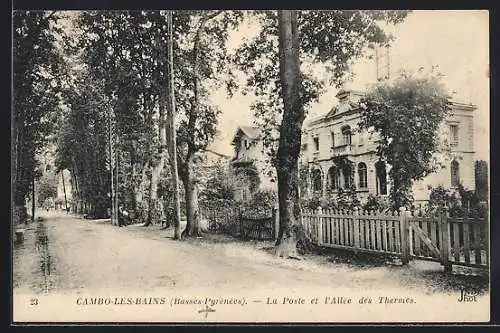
(348, 102)
(251, 131)
(217, 154)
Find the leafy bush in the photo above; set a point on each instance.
(347, 198)
(465, 204)
(376, 203)
(219, 186)
(311, 203)
(440, 198)
(261, 204)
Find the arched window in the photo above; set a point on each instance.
(362, 174)
(346, 135)
(333, 178)
(347, 171)
(316, 180)
(381, 178)
(455, 173)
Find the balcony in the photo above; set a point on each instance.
(342, 150)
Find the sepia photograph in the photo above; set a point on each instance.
(250, 166)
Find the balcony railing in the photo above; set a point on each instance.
(342, 150)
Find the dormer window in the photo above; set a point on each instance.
(246, 144)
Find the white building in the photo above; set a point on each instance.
(338, 155)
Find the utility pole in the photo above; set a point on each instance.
(172, 132)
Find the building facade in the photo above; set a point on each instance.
(250, 151)
(338, 155)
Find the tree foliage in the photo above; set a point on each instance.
(46, 187)
(220, 185)
(280, 65)
(122, 56)
(36, 83)
(481, 176)
(329, 39)
(407, 114)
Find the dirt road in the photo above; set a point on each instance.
(65, 254)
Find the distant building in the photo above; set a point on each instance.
(338, 155)
(250, 151)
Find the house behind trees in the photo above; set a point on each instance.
(250, 154)
(337, 155)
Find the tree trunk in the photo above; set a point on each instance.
(64, 190)
(171, 109)
(157, 169)
(290, 136)
(133, 195)
(110, 150)
(117, 153)
(140, 193)
(33, 203)
(191, 196)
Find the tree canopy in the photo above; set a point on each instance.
(407, 114)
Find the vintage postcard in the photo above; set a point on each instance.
(229, 166)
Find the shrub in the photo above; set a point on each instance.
(311, 203)
(465, 204)
(347, 198)
(261, 204)
(376, 203)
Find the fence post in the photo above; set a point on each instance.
(276, 221)
(320, 226)
(405, 233)
(355, 220)
(445, 240)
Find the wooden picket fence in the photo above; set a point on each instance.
(450, 241)
(364, 231)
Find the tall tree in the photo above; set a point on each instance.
(331, 38)
(200, 65)
(36, 64)
(126, 51)
(407, 115)
(82, 143)
(172, 128)
(290, 130)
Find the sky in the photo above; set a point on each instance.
(455, 41)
